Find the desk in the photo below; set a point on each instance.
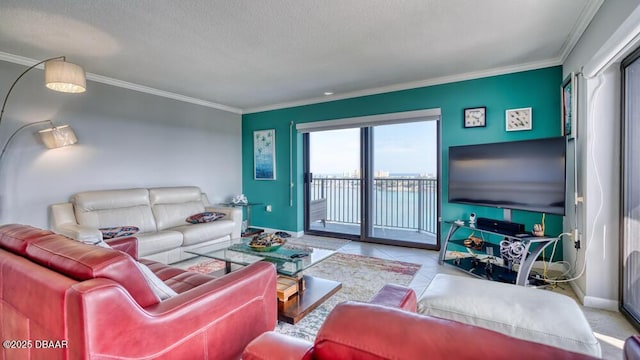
(533, 246)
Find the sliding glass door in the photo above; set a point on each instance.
(403, 182)
(334, 182)
(374, 183)
(630, 201)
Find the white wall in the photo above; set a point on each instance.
(598, 149)
(126, 139)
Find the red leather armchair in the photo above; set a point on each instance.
(367, 331)
(93, 303)
(631, 350)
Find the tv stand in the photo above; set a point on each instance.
(485, 263)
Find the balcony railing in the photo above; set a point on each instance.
(405, 203)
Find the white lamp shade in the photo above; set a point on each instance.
(58, 136)
(64, 76)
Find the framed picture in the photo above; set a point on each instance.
(519, 119)
(568, 94)
(475, 117)
(264, 154)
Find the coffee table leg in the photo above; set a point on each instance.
(227, 267)
(301, 283)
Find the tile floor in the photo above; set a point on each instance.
(609, 327)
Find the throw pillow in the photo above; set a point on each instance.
(162, 290)
(205, 217)
(118, 231)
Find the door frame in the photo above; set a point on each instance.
(633, 57)
(365, 144)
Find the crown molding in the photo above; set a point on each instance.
(16, 59)
(412, 85)
(373, 91)
(587, 14)
(167, 94)
(127, 85)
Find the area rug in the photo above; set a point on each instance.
(202, 265)
(361, 278)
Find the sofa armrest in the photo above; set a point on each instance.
(214, 320)
(63, 221)
(127, 245)
(396, 296)
(272, 345)
(362, 330)
(232, 213)
(81, 233)
(631, 350)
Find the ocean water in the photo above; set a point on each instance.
(410, 204)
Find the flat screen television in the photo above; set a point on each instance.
(521, 175)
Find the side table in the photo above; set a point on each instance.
(249, 231)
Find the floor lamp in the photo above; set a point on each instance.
(61, 76)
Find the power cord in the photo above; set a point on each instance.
(598, 182)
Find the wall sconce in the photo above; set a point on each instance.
(56, 137)
(61, 76)
(53, 137)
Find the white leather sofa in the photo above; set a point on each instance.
(159, 213)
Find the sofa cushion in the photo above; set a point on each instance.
(110, 208)
(179, 280)
(157, 242)
(531, 314)
(15, 238)
(197, 233)
(171, 206)
(205, 217)
(83, 262)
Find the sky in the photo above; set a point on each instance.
(401, 148)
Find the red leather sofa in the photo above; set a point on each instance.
(62, 299)
(388, 328)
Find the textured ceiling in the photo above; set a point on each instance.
(252, 54)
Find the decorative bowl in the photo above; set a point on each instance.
(266, 242)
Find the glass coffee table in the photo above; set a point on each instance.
(290, 261)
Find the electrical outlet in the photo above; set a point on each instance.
(575, 236)
(269, 208)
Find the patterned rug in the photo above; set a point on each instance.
(202, 266)
(361, 278)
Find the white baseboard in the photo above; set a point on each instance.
(600, 303)
(578, 291)
(594, 302)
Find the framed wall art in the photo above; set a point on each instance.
(264, 154)
(519, 119)
(568, 94)
(475, 117)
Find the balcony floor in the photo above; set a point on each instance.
(409, 235)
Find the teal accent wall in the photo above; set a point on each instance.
(538, 89)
